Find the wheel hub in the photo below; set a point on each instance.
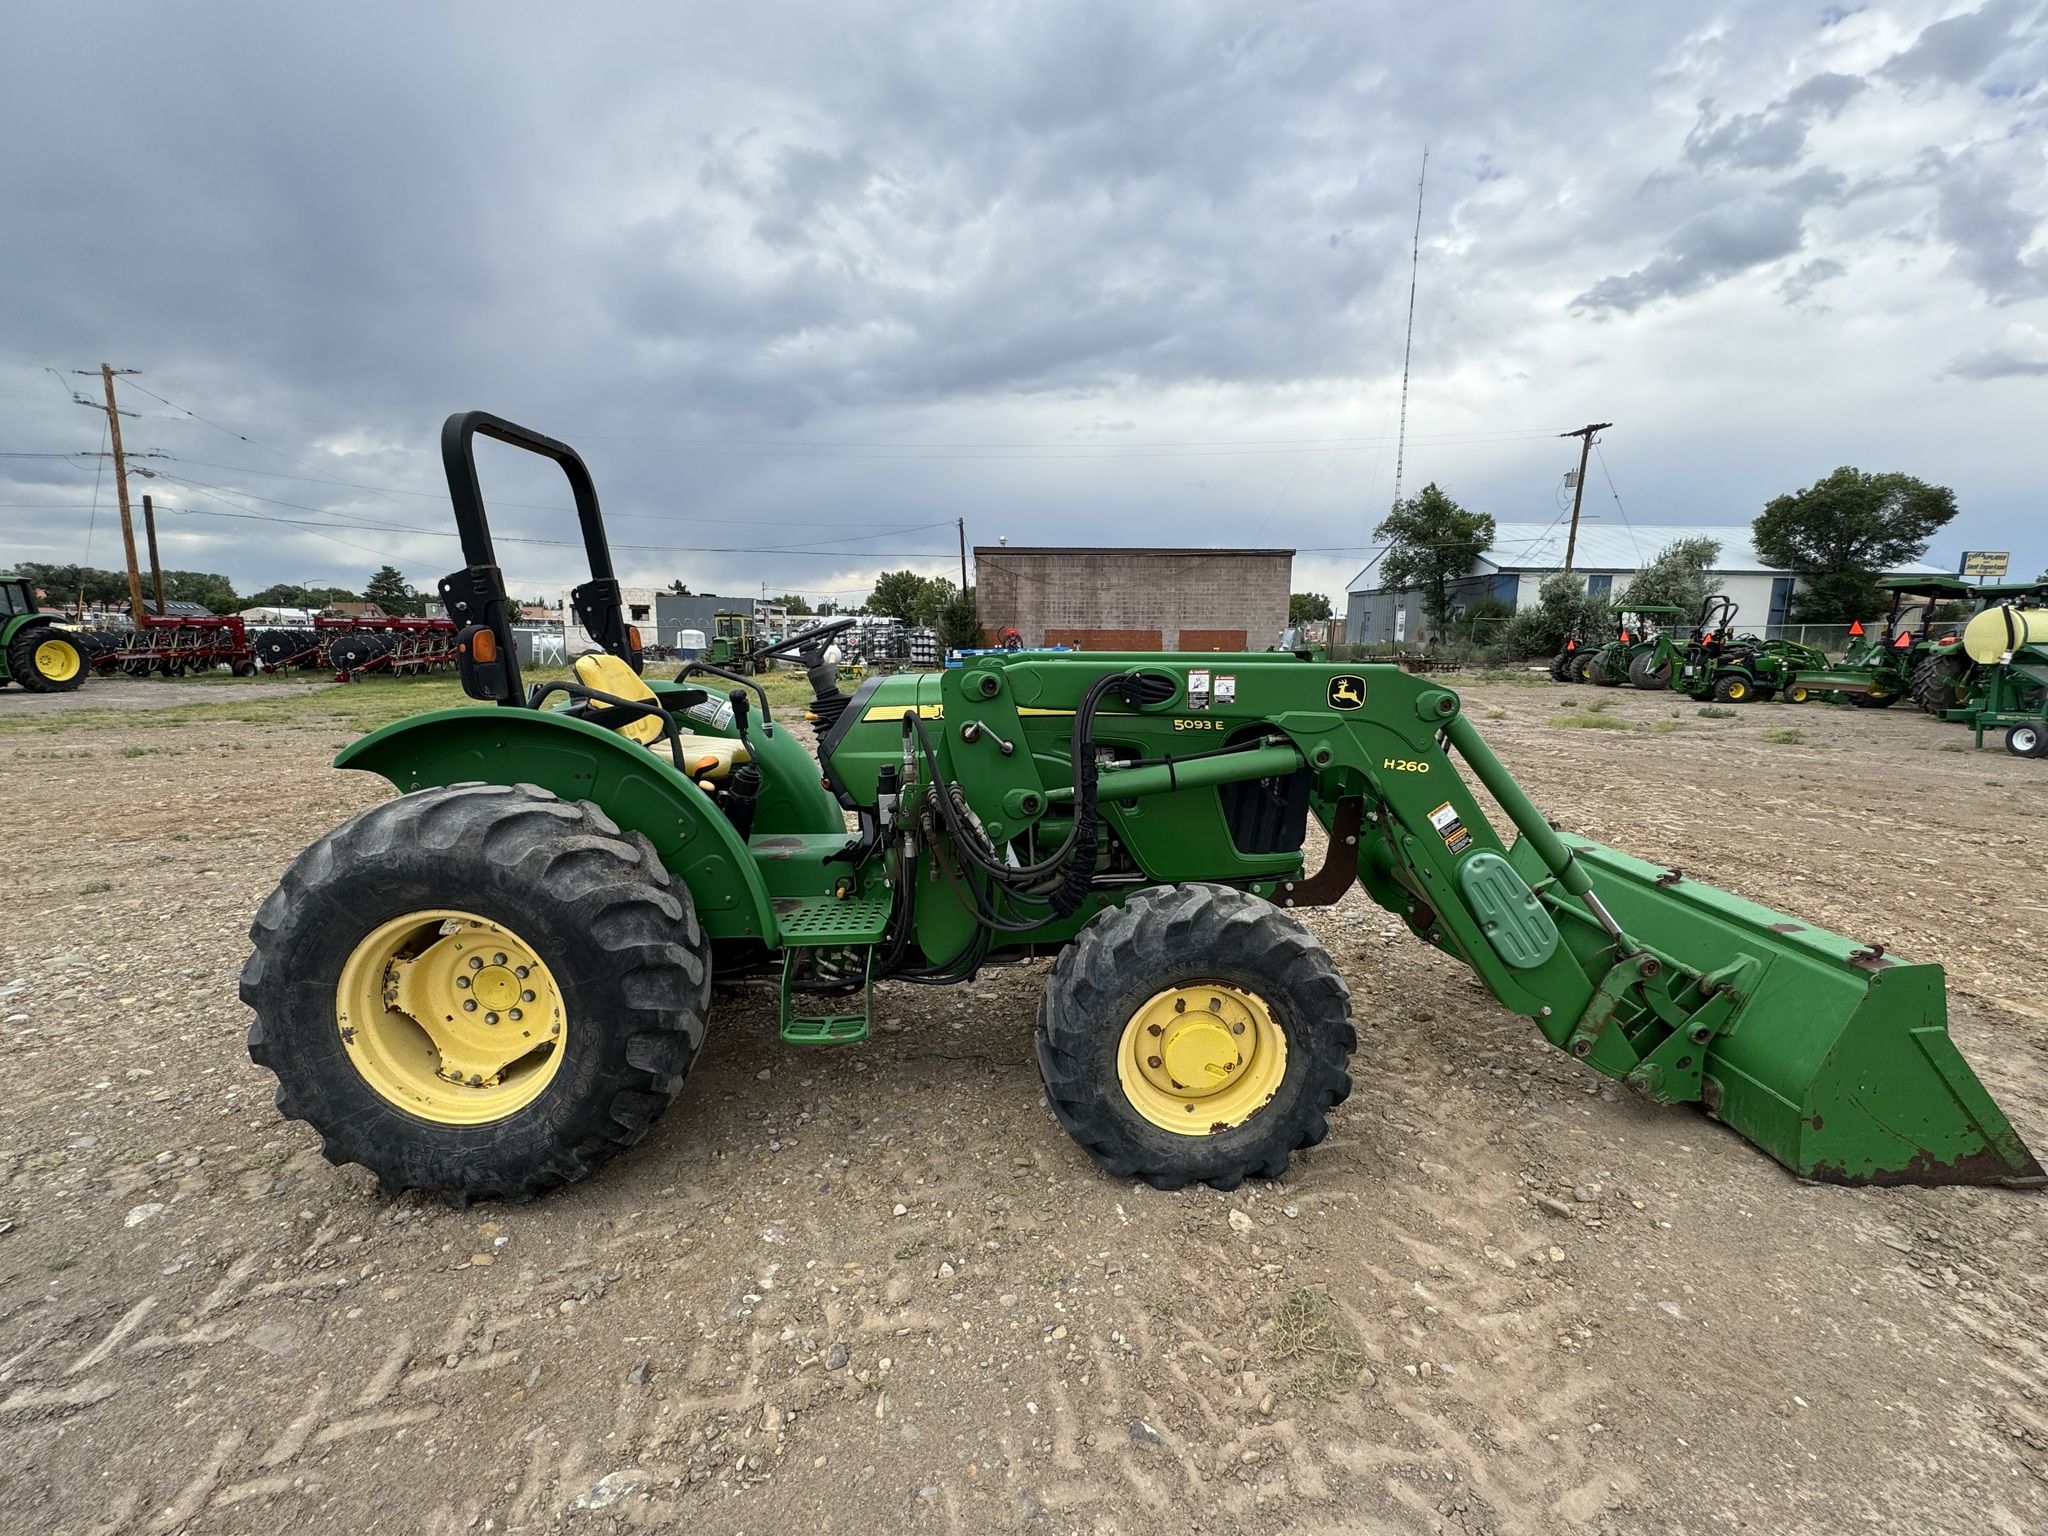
(450, 1016)
(1201, 1058)
(56, 661)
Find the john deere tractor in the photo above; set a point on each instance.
(1639, 652)
(1733, 668)
(34, 652)
(494, 982)
(1916, 653)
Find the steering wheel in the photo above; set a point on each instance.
(798, 642)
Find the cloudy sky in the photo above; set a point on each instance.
(807, 282)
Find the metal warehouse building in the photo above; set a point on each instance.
(1512, 569)
(1134, 599)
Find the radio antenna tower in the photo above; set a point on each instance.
(1408, 347)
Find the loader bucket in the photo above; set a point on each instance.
(1836, 1059)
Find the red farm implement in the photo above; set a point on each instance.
(173, 647)
(401, 647)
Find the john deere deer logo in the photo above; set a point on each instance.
(1347, 692)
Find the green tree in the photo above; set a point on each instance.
(208, 588)
(389, 590)
(902, 594)
(794, 602)
(1563, 608)
(678, 589)
(1307, 607)
(285, 594)
(1677, 578)
(959, 621)
(1843, 532)
(1432, 543)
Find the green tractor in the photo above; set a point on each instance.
(734, 641)
(494, 982)
(1732, 668)
(1916, 653)
(1639, 653)
(34, 652)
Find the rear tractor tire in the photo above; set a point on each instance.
(1561, 667)
(45, 659)
(1581, 665)
(1195, 1033)
(482, 991)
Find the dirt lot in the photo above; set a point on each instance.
(877, 1288)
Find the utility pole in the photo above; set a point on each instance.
(107, 372)
(961, 524)
(1585, 437)
(156, 568)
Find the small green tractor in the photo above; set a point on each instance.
(34, 652)
(494, 982)
(1640, 652)
(1730, 668)
(734, 641)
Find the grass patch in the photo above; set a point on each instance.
(1716, 712)
(95, 887)
(1666, 727)
(1599, 706)
(911, 1250)
(1785, 735)
(1588, 720)
(1513, 677)
(1957, 746)
(1495, 712)
(1304, 1328)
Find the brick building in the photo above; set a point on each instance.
(1134, 599)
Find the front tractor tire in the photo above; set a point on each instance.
(1734, 690)
(479, 992)
(45, 659)
(1196, 1033)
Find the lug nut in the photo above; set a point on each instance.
(520, 971)
(462, 981)
(490, 1018)
(1237, 1029)
(514, 1015)
(1152, 1061)
(526, 997)
(498, 959)
(469, 1005)
(476, 962)
(1180, 1005)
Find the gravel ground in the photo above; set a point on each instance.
(877, 1288)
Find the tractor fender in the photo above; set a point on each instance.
(576, 760)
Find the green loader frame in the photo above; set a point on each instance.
(493, 983)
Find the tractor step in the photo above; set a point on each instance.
(831, 922)
(836, 976)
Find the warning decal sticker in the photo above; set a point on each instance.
(1448, 827)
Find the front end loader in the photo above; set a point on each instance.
(494, 982)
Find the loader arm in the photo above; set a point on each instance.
(1831, 1055)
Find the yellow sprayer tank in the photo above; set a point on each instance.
(1996, 632)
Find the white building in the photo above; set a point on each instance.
(1513, 566)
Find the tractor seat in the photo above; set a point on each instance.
(704, 757)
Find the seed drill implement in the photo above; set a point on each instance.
(494, 982)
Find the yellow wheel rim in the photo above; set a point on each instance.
(1201, 1058)
(56, 660)
(1738, 690)
(451, 1017)
(1796, 695)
